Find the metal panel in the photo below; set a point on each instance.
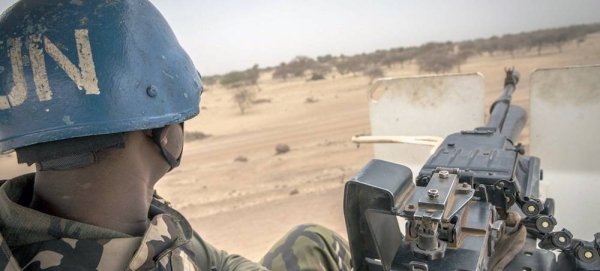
(423, 106)
(565, 124)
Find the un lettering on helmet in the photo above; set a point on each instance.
(83, 76)
(81, 68)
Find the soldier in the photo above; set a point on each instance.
(95, 94)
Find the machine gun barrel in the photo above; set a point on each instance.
(508, 119)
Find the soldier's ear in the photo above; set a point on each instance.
(163, 134)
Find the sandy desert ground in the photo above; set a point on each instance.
(244, 207)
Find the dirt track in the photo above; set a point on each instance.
(245, 207)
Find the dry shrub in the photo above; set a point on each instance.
(244, 98)
(311, 100)
(374, 73)
(193, 136)
(242, 159)
(261, 101)
(282, 148)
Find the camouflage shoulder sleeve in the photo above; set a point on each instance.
(207, 257)
(219, 260)
(7, 261)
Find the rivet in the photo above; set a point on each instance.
(588, 254)
(151, 91)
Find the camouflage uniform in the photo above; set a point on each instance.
(31, 240)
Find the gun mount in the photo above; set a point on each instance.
(463, 202)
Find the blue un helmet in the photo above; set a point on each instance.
(73, 69)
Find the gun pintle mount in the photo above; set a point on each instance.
(463, 201)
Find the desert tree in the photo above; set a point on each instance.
(352, 65)
(281, 72)
(252, 76)
(490, 46)
(509, 44)
(374, 73)
(325, 59)
(295, 68)
(236, 79)
(243, 97)
(438, 60)
(319, 70)
(467, 45)
(537, 40)
(376, 57)
(462, 56)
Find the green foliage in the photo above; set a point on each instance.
(281, 72)
(510, 43)
(397, 58)
(316, 77)
(298, 66)
(325, 59)
(232, 78)
(351, 65)
(237, 78)
(438, 60)
(489, 46)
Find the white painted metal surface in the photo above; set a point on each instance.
(432, 141)
(565, 134)
(423, 106)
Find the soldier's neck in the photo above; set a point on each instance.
(116, 199)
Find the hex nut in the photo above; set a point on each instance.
(444, 174)
(433, 193)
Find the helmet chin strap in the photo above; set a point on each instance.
(173, 162)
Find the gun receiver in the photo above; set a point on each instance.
(460, 205)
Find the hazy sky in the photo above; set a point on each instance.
(225, 35)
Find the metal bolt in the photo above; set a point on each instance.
(432, 193)
(465, 185)
(444, 174)
(562, 239)
(151, 91)
(545, 224)
(588, 254)
(410, 206)
(531, 208)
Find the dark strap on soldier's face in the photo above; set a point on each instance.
(173, 162)
(69, 153)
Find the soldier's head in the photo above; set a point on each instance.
(83, 77)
